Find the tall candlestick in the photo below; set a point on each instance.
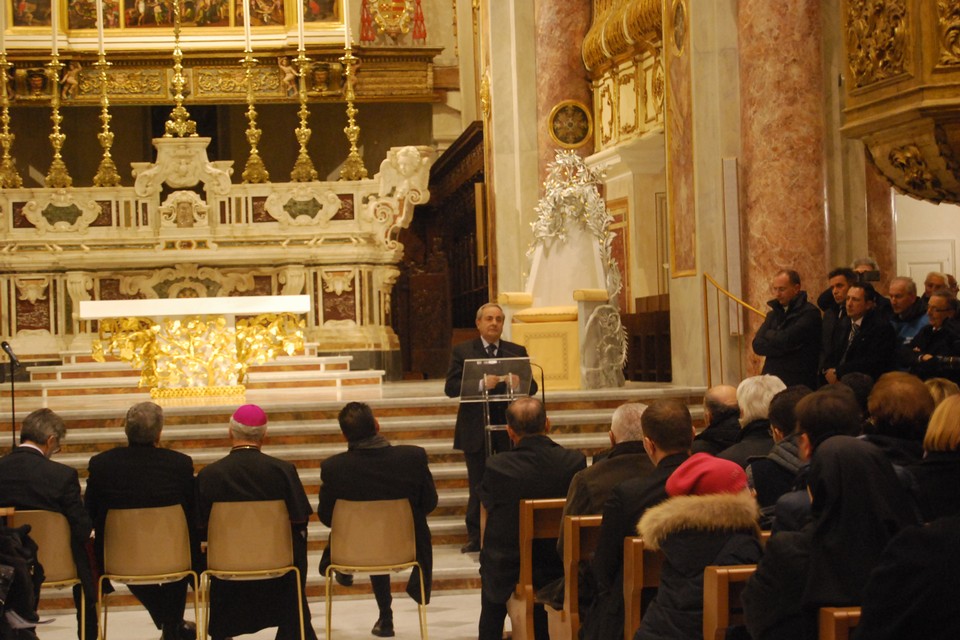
(53, 23)
(346, 25)
(300, 25)
(246, 26)
(101, 50)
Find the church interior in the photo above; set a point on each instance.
(624, 177)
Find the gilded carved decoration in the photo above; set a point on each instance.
(877, 40)
(948, 14)
(620, 27)
(909, 160)
(140, 83)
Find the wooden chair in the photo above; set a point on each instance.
(836, 623)
(538, 519)
(51, 531)
(376, 537)
(722, 587)
(641, 570)
(145, 546)
(580, 537)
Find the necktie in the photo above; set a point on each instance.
(854, 330)
(492, 350)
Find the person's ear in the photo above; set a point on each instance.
(806, 447)
(376, 425)
(546, 426)
(613, 439)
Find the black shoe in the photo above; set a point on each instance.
(183, 630)
(343, 579)
(472, 546)
(383, 628)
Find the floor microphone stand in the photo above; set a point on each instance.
(13, 408)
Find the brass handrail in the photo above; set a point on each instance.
(709, 280)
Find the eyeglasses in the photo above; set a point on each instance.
(939, 310)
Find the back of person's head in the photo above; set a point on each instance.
(144, 423)
(668, 424)
(943, 433)
(527, 417)
(941, 389)
(721, 402)
(861, 384)
(900, 406)
(357, 421)
(783, 406)
(248, 423)
(865, 262)
(754, 395)
(626, 422)
(40, 425)
(828, 412)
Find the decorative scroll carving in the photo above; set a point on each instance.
(232, 82)
(403, 177)
(62, 211)
(182, 163)
(293, 279)
(183, 209)
(877, 43)
(948, 14)
(186, 281)
(304, 205)
(917, 176)
(140, 83)
(620, 28)
(337, 282)
(31, 289)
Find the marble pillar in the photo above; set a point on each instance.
(782, 158)
(881, 226)
(560, 29)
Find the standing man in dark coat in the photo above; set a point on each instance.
(247, 474)
(143, 474)
(30, 480)
(667, 436)
(372, 469)
(469, 434)
(537, 467)
(789, 337)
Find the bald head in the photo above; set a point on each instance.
(720, 402)
(527, 417)
(625, 425)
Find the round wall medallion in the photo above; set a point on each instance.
(570, 124)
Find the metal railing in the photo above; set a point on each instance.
(735, 318)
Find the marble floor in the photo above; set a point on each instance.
(450, 616)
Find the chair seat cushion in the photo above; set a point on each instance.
(547, 314)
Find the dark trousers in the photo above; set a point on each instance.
(381, 591)
(492, 615)
(91, 613)
(476, 465)
(164, 602)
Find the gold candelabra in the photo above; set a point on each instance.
(9, 177)
(303, 170)
(179, 125)
(57, 177)
(107, 175)
(254, 171)
(353, 168)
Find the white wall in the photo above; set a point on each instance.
(928, 237)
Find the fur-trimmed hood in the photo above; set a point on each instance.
(716, 512)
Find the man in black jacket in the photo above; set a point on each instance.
(469, 435)
(372, 469)
(722, 415)
(789, 337)
(865, 342)
(537, 467)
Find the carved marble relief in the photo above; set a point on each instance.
(877, 36)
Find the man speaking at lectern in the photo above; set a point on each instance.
(469, 434)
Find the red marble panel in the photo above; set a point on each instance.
(339, 307)
(33, 316)
(105, 219)
(260, 214)
(346, 211)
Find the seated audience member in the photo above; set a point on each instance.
(537, 467)
(709, 519)
(952, 284)
(774, 475)
(938, 474)
(913, 590)
(909, 310)
(667, 435)
(754, 396)
(864, 343)
(900, 407)
(857, 505)
(144, 474)
(29, 479)
(941, 389)
(721, 413)
(935, 350)
(935, 281)
(861, 384)
(831, 411)
(373, 469)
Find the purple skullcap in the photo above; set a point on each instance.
(250, 415)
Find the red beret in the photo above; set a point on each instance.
(703, 474)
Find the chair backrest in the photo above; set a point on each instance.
(249, 536)
(580, 537)
(722, 586)
(538, 519)
(836, 623)
(641, 570)
(146, 541)
(372, 533)
(51, 531)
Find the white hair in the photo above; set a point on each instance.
(754, 396)
(245, 432)
(625, 424)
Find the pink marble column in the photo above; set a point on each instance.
(782, 167)
(881, 230)
(560, 29)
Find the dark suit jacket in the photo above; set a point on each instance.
(238, 608)
(136, 477)
(28, 480)
(383, 473)
(871, 352)
(468, 435)
(536, 468)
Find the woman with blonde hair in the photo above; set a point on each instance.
(941, 389)
(938, 474)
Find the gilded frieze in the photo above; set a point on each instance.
(877, 40)
(909, 160)
(124, 83)
(216, 82)
(619, 28)
(948, 15)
